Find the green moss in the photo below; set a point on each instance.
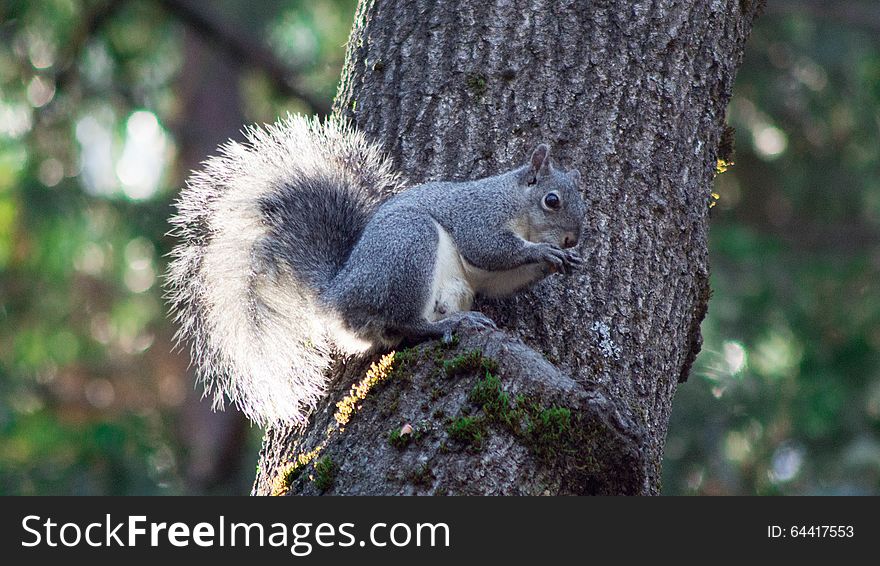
(440, 348)
(405, 356)
(397, 440)
(325, 473)
(488, 394)
(469, 431)
(470, 362)
(403, 363)
(453, 343)
(549, 430)
(400, 441)
(288, 475)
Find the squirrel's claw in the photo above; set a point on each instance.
(573, 261)
(561, 261)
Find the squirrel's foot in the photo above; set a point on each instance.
(466, 319)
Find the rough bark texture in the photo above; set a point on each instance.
(633, 94)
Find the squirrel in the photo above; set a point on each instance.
(302, 242)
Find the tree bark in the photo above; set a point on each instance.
(631, 93)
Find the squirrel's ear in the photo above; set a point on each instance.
(539, 157)
(575, 176)
(539, 163)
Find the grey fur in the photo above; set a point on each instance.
(293, 247)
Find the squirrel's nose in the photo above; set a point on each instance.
(569, 241)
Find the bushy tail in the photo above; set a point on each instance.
(264, 227)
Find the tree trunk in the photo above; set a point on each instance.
(631, 93)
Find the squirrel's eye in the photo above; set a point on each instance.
(552, 201)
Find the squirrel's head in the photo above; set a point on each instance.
(556, 207)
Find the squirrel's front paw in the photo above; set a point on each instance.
(561, 261)
(464, 319)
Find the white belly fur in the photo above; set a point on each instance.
(496, 284)
(450, 290)
(456, 281)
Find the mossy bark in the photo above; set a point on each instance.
(633, 94)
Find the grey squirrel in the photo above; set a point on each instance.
(302, 242)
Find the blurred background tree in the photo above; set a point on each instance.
(104, 108)
(785, 397)
(106, 105)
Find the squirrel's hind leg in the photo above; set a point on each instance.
(444, 328)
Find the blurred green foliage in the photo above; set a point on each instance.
(90, 389)
(785, 397)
